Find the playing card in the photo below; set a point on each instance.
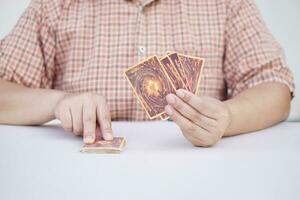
(105, 146)
(151, 85)
(193, 67)
(179, 68)
(164, 116)
(173, 74)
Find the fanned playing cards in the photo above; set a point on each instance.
(154, 78)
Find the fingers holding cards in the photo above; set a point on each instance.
(153, 79)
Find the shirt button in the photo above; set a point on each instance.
(142, 50)
(140, 8)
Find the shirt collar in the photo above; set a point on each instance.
(142, 3)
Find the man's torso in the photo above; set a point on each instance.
(97, 40)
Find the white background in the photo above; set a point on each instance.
(281, 16)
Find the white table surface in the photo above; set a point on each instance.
(41, 163)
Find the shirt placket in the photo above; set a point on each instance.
(141, 31)
(141, 42)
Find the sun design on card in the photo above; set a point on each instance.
(152, 86)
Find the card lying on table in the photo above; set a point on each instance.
(105, 146)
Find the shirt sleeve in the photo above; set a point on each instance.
(27, 52)
(252, 56)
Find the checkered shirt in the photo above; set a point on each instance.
(86, 45)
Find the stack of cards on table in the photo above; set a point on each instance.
(105, 146)
(154, 78)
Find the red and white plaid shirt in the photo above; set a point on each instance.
(85, 46)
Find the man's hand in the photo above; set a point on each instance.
(85, 114)
(203, 120)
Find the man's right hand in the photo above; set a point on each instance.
(85, 114)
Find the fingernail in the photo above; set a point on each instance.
(170, 99)
(169, 110)
(180, 93)
(88, 139)
(108, 136)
